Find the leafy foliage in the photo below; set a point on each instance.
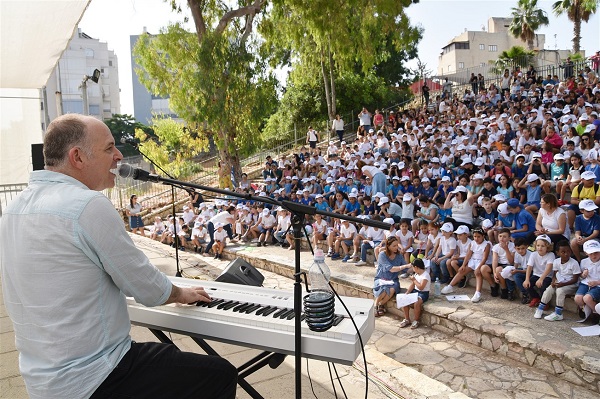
(123, 125)
(527, 19)
(577, 11)
(511, 58)
(172, 148)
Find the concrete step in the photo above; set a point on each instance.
(504, 327)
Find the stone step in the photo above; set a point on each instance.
(504, 327)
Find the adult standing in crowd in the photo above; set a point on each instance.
(376, 175)
(227, 218)
(337, 125)
(134, 211)
(312, 137)
(66, 295)
(364, 118)
(462, 207)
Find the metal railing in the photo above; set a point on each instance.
(8, 192)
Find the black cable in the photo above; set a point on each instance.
(310, 380)
(339, 381)
(331, 379)
(362, 346)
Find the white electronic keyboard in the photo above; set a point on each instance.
(259, 318)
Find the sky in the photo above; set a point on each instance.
(113, 21)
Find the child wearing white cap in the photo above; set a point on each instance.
(565, 277)
(587, 226)
(539, 269)
(220, 238)
(445, 250)
(588, 292)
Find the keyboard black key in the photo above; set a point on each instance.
(243, 308)
(215, 303)
(303, 317)
(269, 311)
(237, 308)
(282, 311)
(232, 304)
(291, 316)
(223, 304)
(252, 308)
(337, 320)
(205, 304)
(261, 310)
(286, 314)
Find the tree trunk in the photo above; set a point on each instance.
(530, 44)
(576, 34)
(225, 161)
(326, 84)
(332, 79)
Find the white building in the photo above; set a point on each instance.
(477, 48)
(146, 104)
(63, 92)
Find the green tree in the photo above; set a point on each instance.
(336, 37)
(578, 11)
(123, 125)
(213, 76)
(526, 20)
(511, 58)
(171, 146)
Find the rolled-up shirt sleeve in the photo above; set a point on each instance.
(104, 239)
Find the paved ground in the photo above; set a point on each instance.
(421, 363)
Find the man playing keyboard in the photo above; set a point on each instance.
(67, 294)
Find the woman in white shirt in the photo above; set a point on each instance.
(552, 220)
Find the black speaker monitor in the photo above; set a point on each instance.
(239, 271)
(37, 156)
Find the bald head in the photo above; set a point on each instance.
(63, 133)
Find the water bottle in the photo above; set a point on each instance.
(437, 287)
(319, 303)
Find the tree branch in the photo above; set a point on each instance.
(240, 12)
(196, 8)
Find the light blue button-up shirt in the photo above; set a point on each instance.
(67, 265)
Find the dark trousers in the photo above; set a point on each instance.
(155, 370)
(532, 291)
(211, 232)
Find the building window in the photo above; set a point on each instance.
(109, 63)
(462, 45)
(94, 109)
(461, 65)
(482, 47)
(493, 48)
(482, 64)
(449, 68)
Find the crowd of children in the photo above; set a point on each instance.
(467, 186)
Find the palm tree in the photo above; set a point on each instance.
(511, 58)
(526, 19)
(577, 11)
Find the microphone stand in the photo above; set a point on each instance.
(299, 212)
(178, 268)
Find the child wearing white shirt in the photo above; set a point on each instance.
(539, 267)
(566, 274)
(588, 293)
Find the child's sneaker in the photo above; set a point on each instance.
(525, 299)
(447, 289)
(346, 258)
(538, 314)
(335, 256)
(464, 283)
(553, 317)
(330, 253)
(511, 295)
(360, 263)
(534, 302)
(405, 323)
(476, 298)
(503, 293)
(495, 290)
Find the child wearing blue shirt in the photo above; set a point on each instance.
(534, 192)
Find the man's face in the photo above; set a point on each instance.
(104, 157)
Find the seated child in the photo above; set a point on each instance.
(588, 293)
(539, 267)
(421, 283)
(220, 236)
(564, 282)
(463, 243)
(502, 256)
(476, 257)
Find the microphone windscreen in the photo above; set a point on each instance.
(123, 140)
(126, 170)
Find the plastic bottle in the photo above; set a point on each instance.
(437, 287)
(319, 303)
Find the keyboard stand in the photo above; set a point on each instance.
(273, 360)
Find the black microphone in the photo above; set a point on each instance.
(129, 140)
(126, 171)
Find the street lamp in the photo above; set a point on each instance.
(94, 78)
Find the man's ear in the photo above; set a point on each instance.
(76, 158)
